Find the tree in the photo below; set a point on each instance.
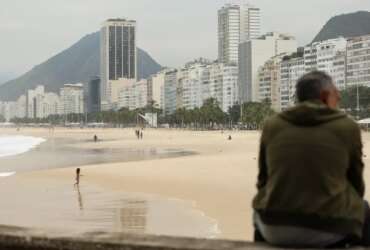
(234, 113)
(212, 113)
(349, 101)
(255, 113)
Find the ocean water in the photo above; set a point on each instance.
(86, 208)
(11, 145)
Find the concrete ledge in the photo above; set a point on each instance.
(14, 238)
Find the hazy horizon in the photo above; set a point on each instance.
(187, 29)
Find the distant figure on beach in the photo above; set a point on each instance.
(310, 182)
(229, 138)
(137, 132)
(95, 138)
(78, 175)
(141, 134)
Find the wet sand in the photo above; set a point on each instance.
(215, 185)
(66, 152)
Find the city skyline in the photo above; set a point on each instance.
(159, 31)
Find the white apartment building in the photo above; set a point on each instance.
(118, 57)
(170, 100)
(191, 84)
(236, 23)
(35, 99)
(141, 93)
(253, 54)
(72, 99)
(269, 80)
(21, 107)
(358, 61)
(222, 84)
(8, 110)
(212, 83)
(156, 88)
(320, 55)
(292, 68)
(51, 104)
(338, 70)
(134, 95)
(37, 104)
(116, 87)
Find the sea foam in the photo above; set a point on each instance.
(14, 145)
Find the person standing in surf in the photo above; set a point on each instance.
(78, 175)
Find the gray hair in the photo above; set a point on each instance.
(310, 86)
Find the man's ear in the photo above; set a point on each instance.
(324, 96)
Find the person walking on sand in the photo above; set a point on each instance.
(95, 138)
(310, 186)
(141, 135)
(78, 175)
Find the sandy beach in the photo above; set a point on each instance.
(212, 184)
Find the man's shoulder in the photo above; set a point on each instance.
(274, 124)
(275, 120)
(346, 124)
(343, 123)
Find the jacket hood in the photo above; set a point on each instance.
(311, 113)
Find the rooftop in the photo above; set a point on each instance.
(119, 20)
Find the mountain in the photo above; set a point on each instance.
(4, 77)
(347, 25)
(76, 64)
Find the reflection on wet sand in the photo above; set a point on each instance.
(132, 216)
(79, 198)
(85, 208)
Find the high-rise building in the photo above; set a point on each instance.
(93, 95)
(236, 24)
(250, 22)
(118, 57)
(253, 54)
(358, 61)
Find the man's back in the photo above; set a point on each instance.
(310, 171)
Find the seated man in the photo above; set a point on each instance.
(310, 182)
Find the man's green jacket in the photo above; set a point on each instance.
(311, 171)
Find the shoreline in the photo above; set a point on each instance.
(219, 179)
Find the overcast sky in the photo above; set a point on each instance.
(172, 31)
